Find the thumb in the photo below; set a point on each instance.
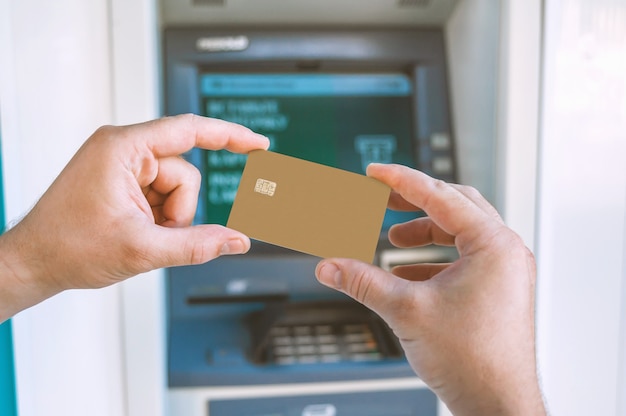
(375, 288)
(195, 244)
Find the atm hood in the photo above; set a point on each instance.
(306, 12)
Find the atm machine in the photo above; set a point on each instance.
(257, 335)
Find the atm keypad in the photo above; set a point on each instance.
(308, 344)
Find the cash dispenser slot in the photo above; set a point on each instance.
(209, 298)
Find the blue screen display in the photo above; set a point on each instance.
(341, 120)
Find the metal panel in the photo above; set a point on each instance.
(388, 403)
(299, 12)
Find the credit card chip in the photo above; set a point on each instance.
(265, 187)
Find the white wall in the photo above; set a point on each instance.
(68, 68)
(582, 204)
(135, 57)
(56, 89)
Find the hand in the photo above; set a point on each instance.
(122, 206)
(467, 328)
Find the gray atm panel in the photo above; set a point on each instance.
(387, 403)
(222, 313)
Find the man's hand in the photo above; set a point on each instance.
(122, 206)
(467, 328)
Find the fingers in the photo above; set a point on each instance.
(380, 291)
(419, 272)
(476, 197)
(398, 203)
(198, 244)
(170, 136)
(448, 207)
(419, 232)
(173, 195)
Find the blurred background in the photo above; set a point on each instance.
(523, 99)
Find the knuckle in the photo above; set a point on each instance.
(198, 254)
(470, 191)
(186, 123)
(137, 255)
(438, 187)
(187, 117)
(104, 131)
(531, 262)
(439, 184)
(195, 177)
(195, 252)
(103, 136)
(361, 285)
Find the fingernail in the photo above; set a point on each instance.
(330, 275)
(373, 164)
(234, 246)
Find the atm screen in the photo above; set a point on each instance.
(336, 119)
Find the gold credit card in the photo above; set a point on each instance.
(308, 207)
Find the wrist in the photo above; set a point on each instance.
(510, 396)
(21, 285)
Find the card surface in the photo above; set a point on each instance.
(308, 207)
